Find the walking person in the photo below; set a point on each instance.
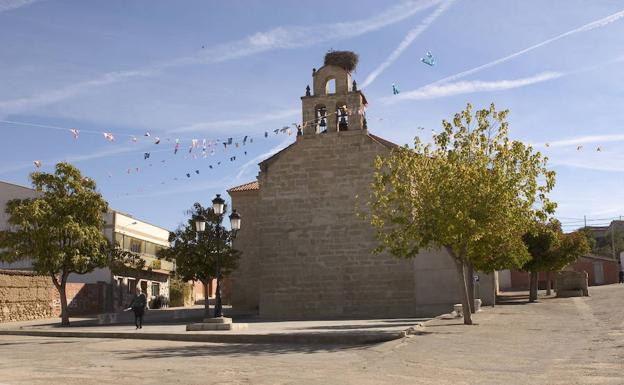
(138, 304)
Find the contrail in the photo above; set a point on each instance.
(587, 27)
(407, 41)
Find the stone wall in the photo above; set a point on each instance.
(25, 296)
(246, 295)
(307, 254)
(571, 284)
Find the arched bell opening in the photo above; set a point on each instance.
(330, 86)
(320, 119)
(343, 117)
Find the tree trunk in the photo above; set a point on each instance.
(470, 286)
(548, 283)
(206, 299)
(463, 292)
(64, 311)
(533, 286)
(60, 287)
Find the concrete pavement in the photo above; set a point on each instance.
(351, 332)
(559, 341)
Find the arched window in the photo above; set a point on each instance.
(320, 116)
(343, 117)
(330, 86)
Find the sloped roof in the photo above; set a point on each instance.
(245, 187)
(382, 141)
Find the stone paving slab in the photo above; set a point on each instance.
(344, 332)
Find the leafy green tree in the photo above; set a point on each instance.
(196, 253)
(551, 250)
(541, 242)
(472, 192)
(60, 230)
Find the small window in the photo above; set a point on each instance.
(131, 286)
(135, 246)
(155, 289)
(330, 87)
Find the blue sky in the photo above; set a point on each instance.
(131, 67)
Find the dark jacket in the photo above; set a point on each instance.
(139, 302)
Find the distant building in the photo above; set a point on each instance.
(115, 288)
(600, 271)
(306, 254)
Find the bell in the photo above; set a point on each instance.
(343, 125)
(323, 124)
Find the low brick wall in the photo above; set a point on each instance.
(25, 296)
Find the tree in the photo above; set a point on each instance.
(551, 250)
(196, 254)
(60, 230)
(541, 242)
(472, 191)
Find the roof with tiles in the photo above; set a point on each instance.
(245, 187)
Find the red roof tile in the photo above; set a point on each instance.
(245, 187)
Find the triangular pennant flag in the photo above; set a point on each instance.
(75, 132)
(109, 136)
(37, 163)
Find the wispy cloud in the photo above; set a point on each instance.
(287, 37)
(407, 41)
(580, 140)
(300, 36)
(77, 158)
(50, 97)
(233, 123)
(585, 28)
(434, 91)
(7, 5)
(261, 157)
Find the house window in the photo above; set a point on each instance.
(155, 289)
(135, 246)
(131, 286)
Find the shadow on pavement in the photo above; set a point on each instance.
(353, 327)
(234, 350)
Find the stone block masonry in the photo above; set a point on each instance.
(25, 296)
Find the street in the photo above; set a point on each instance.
(554, 341)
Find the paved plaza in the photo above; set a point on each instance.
(555, 341)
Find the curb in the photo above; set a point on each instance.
(353, 338)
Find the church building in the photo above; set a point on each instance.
(306, 252)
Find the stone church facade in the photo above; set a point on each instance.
(306, 254)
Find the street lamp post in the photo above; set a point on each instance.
(218, 207)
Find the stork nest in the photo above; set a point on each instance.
(347, 60)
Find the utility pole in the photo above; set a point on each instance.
(613, 239)
(585, 220)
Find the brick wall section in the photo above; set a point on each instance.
(307, 254)
(25, 296)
